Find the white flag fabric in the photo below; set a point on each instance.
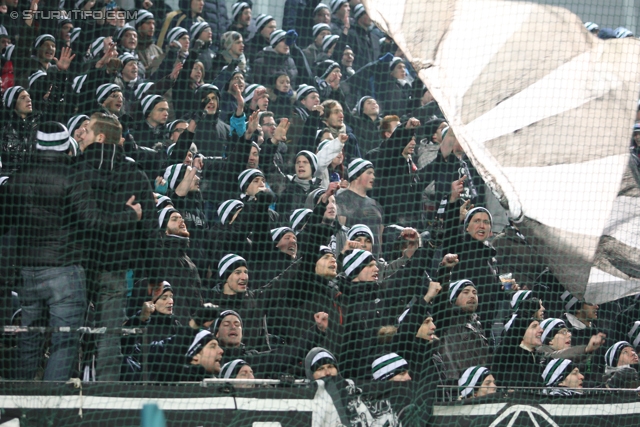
(545, 111)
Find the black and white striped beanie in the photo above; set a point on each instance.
(321, 6)
(162, 202)
(325, 68)
(237, 9)
(175, 34)
(174, 174)
(550, 328)
(358, 11)
(313, 159)
(456, 287)
(569, 301)
(10, 97)
(149, 102)
(197, 29)
(52, 136)
(318, 28)
(230, 370)
(357, 167)
(472, 377)
(634, 333)
(75, 121)
(97, 47)
(33, 78)
(164, 215)
(299, 218)
(329, 41)
(518, 297)
(262, 20)
(122, 31)
(142, 89)
(613, 353)
(143, 16)
(304, 90)
(43, 38)
(78, 83)
(199, 341)
(336, 4)
(246, 176)
(249, 91)
(276, 37)
(126, 58)
(8, 51)
(228, 263)
(354, 261)
(358, 230)
(103, 91)
(74, 34)
(388, 366)
(227, 209)
(556, 371)
(278, 233)
(74, 147)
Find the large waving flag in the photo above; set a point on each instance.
(544, 110)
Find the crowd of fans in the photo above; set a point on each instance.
(265, 198)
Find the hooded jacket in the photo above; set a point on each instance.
(115, 179)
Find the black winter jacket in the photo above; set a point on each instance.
(52, 213)
(16, 135)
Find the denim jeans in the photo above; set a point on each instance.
(110, 313)
(60, 292)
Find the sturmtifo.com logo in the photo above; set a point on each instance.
(127, 15)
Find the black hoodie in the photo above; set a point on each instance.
(115, 179)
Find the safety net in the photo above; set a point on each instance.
(337, 213)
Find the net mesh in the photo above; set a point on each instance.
(298, 213)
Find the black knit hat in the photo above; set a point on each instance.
(148, 103)
(199, 341)
(166, 287)
(10, 96)
(355, 261)
(164, 215)
(221, 316)
(231, 369)
(324, 68)
(228, 263)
